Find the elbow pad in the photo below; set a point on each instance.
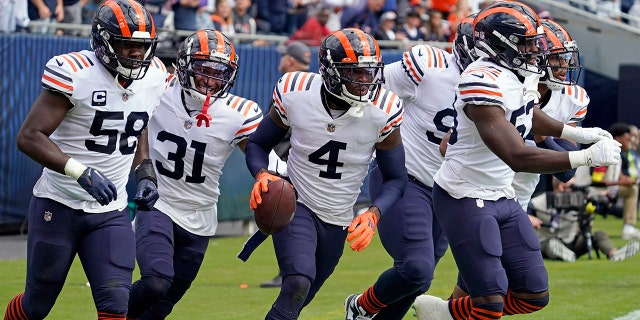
(394, 177)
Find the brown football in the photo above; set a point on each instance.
(277, 207)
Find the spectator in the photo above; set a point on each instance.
(366, 19)
(159, 10)
(223, 18)
(438, 29)
(297, 14)
(314, 30)
(12, 15)
(608, 9)
(460, 11)
(412, 27)
(45, 11)
(243, 21)
(566, 241)
(628, 180)
(72, 13)
(203, 14)
(271, 16)
(185, 12)
(387, 28)
(444, 6)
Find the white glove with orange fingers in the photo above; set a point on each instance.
(362, 229)
(262, 180)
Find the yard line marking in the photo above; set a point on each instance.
(635, 315)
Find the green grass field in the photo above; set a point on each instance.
(586, 289)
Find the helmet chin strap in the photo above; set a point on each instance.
(204, 116)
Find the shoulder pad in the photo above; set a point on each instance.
(577, 94)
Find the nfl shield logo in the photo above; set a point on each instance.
(331, 127)
(47, 216)
(125, 97)
(188, 124)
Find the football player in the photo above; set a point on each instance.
(85, 128)
(193, 132)
(489, 233)
(338, 119)
(563, 100)
(426, 80)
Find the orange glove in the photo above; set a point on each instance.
(262, 180)
(362, 227)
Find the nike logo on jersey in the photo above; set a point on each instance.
(59, 63)
(420, 53)
(478, 75)
(255, 109)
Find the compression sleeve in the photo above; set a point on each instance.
(261, 142)
(394, 177)
(561, 145)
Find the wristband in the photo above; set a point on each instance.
(569, 132)
(579, 159)
(145, 171)
(74, 169)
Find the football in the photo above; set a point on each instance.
(277, 207)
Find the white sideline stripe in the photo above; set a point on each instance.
(635, 315)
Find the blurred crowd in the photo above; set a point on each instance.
(308, 21)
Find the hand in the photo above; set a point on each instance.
(603, 153)
(585, 135)
(147, 194)
(362, 227)
(98, 186)
(262, 180)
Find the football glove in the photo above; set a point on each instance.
(362, 229)
(602, 153)
(262, 180)
(584, 135)
(147, 193)
(98, 186)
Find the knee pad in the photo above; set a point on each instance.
(113, 299)
(418, 271)
(154, 287)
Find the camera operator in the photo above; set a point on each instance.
(560, 234)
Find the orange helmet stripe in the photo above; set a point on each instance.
(351, 55)
(142, 24)
(531, 29)
(204, 42)
(365, 42)
(559, 27)
(122, 22)
(557, 44)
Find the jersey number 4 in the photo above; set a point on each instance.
(332, 149)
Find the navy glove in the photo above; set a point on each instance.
(147, 193)
(98, 186)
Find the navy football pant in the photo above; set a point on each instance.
(104, 243)
(414, 239)
(493, 243)
(308, 251)
(169, 258)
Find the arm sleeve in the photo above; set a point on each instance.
(261, 142)
(561, 145)
(394, 177)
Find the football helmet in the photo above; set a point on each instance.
(120, 25)
(207, 65)
(463, 48)
(562, 63)
(351, 68)
(509, 33)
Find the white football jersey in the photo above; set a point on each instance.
(470, 169)
(102, 127)
(568, 105)
(425, 79)
(329, 158)
(189, 159)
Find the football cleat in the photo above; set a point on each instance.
(355, 312)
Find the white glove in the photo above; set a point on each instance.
(584, 135)
(276, 164)
(602, 153)
(531, 87)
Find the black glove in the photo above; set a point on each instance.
(147, 193)
(98, 186)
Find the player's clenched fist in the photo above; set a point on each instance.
(362, 229)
